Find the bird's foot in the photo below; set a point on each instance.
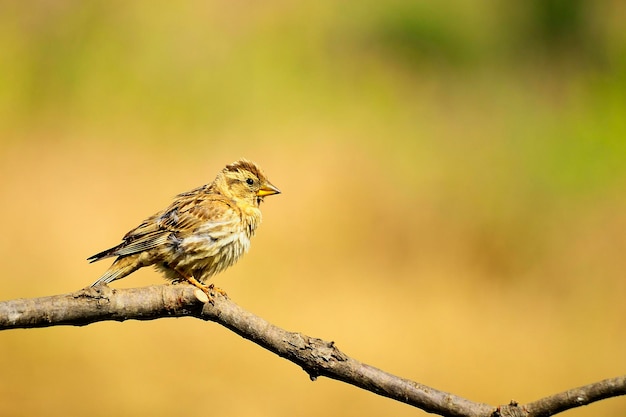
(218, 290)
(209, 290)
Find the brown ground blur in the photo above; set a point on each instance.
(452, 212)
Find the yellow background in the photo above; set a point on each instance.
(453, 206)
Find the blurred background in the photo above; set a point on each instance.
(453, 206)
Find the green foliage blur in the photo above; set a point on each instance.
(453, 206)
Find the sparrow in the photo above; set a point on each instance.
(201, 233)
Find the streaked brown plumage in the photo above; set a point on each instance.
(202, 232)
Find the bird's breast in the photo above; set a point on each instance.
(212, 244)
(215, 246)
(211, 253)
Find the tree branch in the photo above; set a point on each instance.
(317, 357)
(577, 397)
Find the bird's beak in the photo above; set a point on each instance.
(267, 189)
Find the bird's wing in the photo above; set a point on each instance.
(189, 213)
(200, 213)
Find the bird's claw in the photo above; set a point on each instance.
(218, 290)
(209, 290)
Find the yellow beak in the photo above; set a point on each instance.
(267, 189)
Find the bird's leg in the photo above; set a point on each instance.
(207, 289)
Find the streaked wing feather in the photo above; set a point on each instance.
(144, 243)
(191, 211)
(206, 212)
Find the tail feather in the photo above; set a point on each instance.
(105, 254)
(120, 268)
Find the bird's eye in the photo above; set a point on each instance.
(249, 181)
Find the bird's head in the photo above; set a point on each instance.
(244, 181)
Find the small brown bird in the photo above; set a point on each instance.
(202, 232)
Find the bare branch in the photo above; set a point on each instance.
(317, 357)
(577, 397)
(103, 303)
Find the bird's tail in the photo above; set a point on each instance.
(119, 269)
(105, 254)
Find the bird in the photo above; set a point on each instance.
(201, 233)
